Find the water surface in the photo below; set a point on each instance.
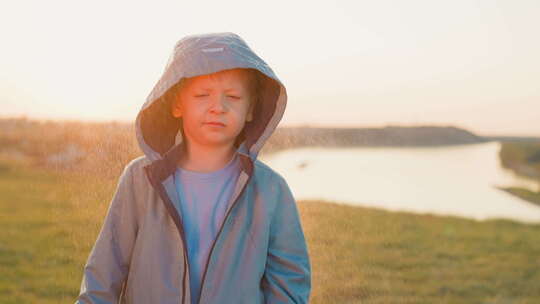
(456, 180)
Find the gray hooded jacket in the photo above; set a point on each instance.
(259, 254)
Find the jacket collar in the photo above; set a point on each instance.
(161, 169)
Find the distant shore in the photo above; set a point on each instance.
(83, 145)
(523, 158)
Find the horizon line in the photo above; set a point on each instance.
(282, 124)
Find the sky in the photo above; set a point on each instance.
(464, 63)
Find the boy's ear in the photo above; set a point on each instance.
(249, 116)
(176, 112)
(175, 109)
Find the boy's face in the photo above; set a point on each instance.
(214, 107)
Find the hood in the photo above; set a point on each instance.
(158, 131)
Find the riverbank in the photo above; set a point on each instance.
(525, 194)
(49, 222)
(523, 158)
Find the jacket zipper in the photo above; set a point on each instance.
(182, 236)
(217, 236)
(170, 207)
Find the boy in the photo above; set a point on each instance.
(198, 218)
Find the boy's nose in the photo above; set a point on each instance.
(219, 104)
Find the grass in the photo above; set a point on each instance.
(525, 194)
(362, 255)
(518, 157)
(49, 221)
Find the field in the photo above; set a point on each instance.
(56, 181)
(49, 221)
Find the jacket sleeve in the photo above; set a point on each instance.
(287, 278)
(107, 266)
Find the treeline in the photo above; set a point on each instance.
(285, 138)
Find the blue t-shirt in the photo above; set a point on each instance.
(203, 202)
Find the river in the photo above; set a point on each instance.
(459, 180)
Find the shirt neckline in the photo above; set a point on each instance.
(213, 175)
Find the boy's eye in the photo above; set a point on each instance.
(230, 96)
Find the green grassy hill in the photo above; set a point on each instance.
(523, 158)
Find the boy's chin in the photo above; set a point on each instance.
(219, 142)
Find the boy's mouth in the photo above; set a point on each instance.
(215, 123)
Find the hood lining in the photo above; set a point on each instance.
(160, 128)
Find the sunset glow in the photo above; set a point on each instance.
(471, 64)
